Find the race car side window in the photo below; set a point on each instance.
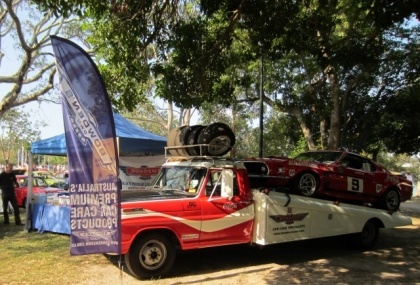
(368, 166)
(357, 162)
(352, 161)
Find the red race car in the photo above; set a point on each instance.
(39, 187)
(338, 175)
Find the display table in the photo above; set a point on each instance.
(51, 218)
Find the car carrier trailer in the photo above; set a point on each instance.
(201, 202)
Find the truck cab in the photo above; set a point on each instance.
(194, 203)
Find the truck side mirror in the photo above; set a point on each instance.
(227, 183)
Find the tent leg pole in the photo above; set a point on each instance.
(28, 206)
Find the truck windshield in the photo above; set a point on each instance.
(180, 178)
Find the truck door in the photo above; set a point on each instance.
(227, 213)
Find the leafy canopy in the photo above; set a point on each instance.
(331, 65)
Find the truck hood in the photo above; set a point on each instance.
(150, 194)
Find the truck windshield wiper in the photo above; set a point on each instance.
(173, 191)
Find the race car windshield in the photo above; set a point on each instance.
(322, 156)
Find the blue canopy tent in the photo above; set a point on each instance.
(132, 141)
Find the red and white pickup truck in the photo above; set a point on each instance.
(201, 202)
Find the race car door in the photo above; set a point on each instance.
(357, 176)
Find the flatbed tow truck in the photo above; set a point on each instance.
(201, 202)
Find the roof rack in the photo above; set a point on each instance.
(172, 155)
(183, 151)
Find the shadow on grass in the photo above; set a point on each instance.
(11, 229)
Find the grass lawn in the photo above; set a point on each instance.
(40, 258)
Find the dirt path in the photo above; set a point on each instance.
(394, 260)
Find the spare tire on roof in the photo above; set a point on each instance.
(172, 141)
(219, 137)
(192, 139)
(182, 139)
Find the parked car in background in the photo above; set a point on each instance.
(60, 184)
(47, 175)
(339, 175)
(61, 175)
(61, 180)
(18, 171)
(40, 186)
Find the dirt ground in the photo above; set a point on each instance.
(394, 260)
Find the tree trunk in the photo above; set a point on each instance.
(323, 131)
(334, 136)
(305, 130)
(170, 116)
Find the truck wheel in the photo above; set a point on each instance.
(390, 200)
(219, 137)
(367, 238)
(152, 256)
(307, 184)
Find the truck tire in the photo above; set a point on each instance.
(367, 238)
(390, 200)
(171, 141)
(192, 138)
(152, 256)
(183, 139)
(307, 184)
(180, 140)
(219, 137)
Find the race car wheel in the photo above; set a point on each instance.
(390, 200)
(307, 184)
(151, 256)
(367, 238)
(219, 137)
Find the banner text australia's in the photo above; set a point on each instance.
(91, 150)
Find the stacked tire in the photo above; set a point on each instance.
(218, 139)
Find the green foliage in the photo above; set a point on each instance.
(401, 119)
(300, 147)
(149, 117)
(281, 135)
(331, 66)
(124, 92)
(16, 132)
